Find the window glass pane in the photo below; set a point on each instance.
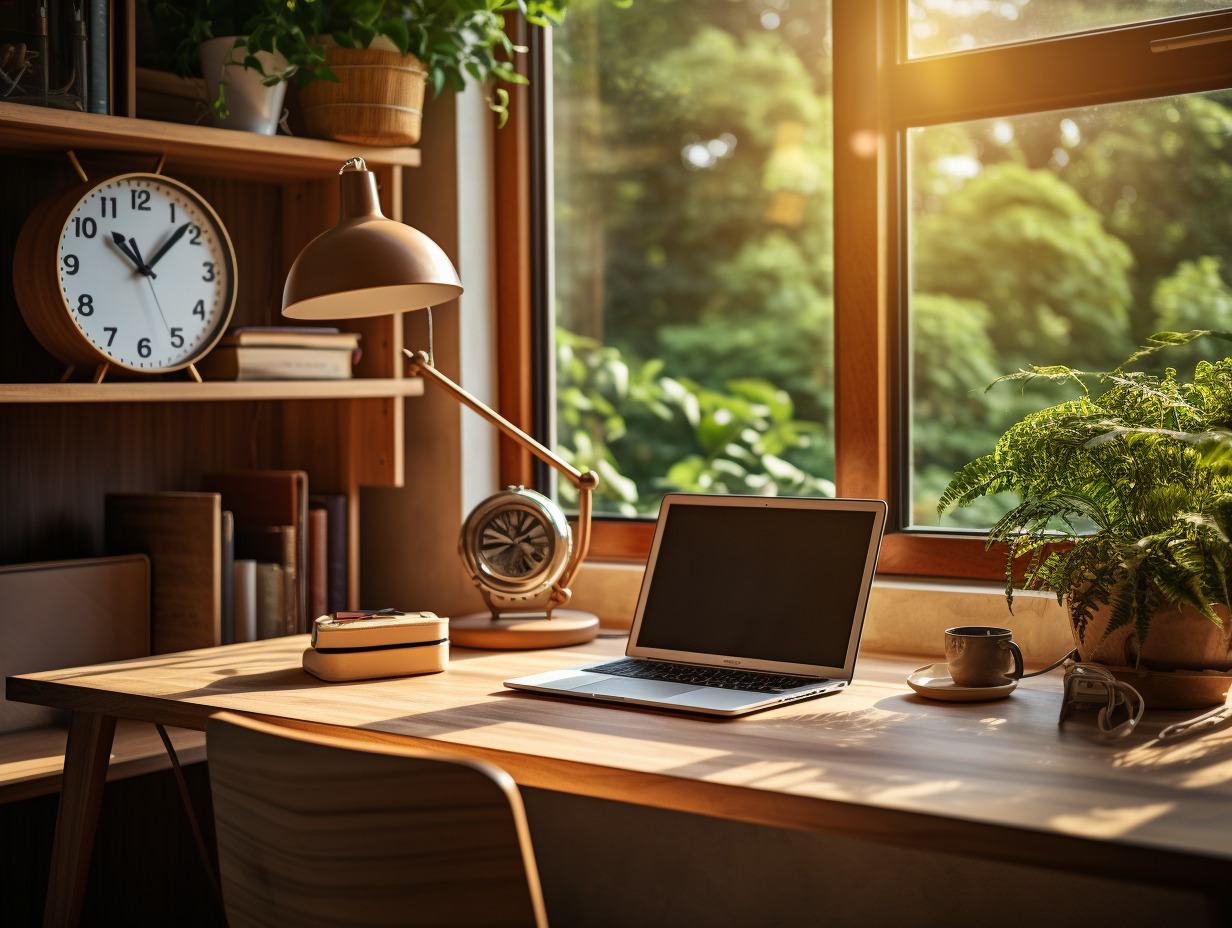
(692, 248)
(935, 27)
(1056, 238)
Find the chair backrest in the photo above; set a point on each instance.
(323, 830)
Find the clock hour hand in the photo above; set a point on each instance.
(175, 237)
(131, 252)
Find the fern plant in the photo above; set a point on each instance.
(1125, 491)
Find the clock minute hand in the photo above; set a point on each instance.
(149, 275)
(175, 237)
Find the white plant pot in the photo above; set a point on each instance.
(253, 106)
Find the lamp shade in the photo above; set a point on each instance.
(367, 265)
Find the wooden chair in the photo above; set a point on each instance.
(318, 830)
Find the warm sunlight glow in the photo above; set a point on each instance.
(1110, 823)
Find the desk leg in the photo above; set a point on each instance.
(85, 772)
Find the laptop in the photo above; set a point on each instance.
(747, 602)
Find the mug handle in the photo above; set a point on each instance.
(1017, 654)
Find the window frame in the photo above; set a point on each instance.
(878, 94)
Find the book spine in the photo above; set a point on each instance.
(265, 363)
(271, 600)
(318, 563)
(245, 600)
(338, 596)
(227, 599)
(99, 54)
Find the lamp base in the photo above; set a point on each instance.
(523, 631)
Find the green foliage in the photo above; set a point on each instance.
(1160, 172)
(1195, 295)
(1042, 262)
(646, 433)
(290, 26)
(457, 40)
(722, 269)
(1134, 476)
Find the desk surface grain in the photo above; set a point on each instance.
(995, 779)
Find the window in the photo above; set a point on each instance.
(691, 192)
(1017, 182)
(1061, 237)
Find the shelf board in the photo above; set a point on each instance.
(199, 149)
(210, 391)
(32, 761)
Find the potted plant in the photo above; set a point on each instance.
(239, 46)
(361, 54)
(1125, 511)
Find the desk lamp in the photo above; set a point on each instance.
(516, 545)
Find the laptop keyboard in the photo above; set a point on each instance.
(749, 680)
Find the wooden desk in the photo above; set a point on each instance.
(997, 780)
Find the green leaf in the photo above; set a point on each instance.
(398, 32)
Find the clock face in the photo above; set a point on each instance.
(515, 543)
(147, 272)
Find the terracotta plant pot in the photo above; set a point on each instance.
(378, 99)
(1185, 662)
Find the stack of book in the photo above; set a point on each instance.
(252, 556)
(282, 353)
(270, 550)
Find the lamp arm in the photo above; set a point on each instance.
(585, 482)
(421, 365)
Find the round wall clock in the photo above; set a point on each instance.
(135, 271)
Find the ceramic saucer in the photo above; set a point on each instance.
(933, 681)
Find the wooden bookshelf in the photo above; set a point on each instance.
(199, 149)
(214, 390)
(71, 443)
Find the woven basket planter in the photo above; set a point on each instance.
(378, 99)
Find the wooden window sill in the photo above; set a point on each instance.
(906, 615)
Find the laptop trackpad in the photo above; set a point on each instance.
(636, 689)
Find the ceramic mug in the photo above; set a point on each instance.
(982, 655)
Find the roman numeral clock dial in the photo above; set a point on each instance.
(135, 271)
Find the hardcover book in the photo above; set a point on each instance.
(181, 533)
(290, 336)
(260, 362)
(337, 552)
(346, 630)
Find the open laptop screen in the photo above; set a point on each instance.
(759, 582)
